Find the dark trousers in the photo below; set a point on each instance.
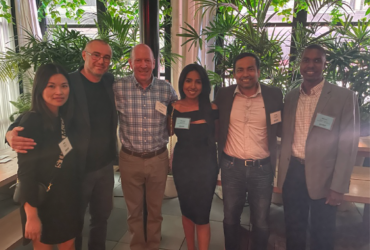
(97, 192)
(237, 179)
(298, 205)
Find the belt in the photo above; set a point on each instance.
(144, 155)
(300, 160)
(247, 162)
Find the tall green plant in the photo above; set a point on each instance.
(59, 45)
(71, 7)
(241, 26)
(5, 11)
(122, 35)
(349, 61)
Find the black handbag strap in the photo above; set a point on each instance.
(59, 162)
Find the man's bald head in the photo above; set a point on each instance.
(141, 47)
(96, 41)
(142, 63)
(97, 56)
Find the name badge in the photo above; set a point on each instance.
(3, 156)
(5, 160)
(160, 107)
(324, 121)
(65, 146)
(182, 123)
(275, 117)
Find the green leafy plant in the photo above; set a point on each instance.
(122, 35)
(5, 11)
(23, 104)
(72, 9)
(349, 61)
(119, 27)
(59, 45)
(240, 26)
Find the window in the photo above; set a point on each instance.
(87, 23)
(9, 91)
(358, 11)
(89, 16)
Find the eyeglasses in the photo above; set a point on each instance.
(97, 56)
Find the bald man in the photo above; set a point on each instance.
(96, 123)
(141, 101)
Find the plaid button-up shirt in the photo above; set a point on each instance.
(141, 127)
(305, 109)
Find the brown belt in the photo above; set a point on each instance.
(144, 155)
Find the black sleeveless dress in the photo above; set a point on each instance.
(194, 166)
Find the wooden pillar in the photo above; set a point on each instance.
(149, 28)
(100, 8)
(167, 42)
(301, 18)
(42, 22)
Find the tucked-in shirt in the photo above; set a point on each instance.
(102, 143)
(305, 109)
(247, 136)
(141, 127)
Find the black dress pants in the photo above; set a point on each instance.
(98, 194)
(297, 207)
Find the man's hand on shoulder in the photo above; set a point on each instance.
(334, 198)
(18, 143)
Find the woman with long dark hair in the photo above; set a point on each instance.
(48, 175)
(194, 164)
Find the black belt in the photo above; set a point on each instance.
(247, 162)
(145, 155)
(300, 160)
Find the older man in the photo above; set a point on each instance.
(96, 122)
(318, 150)
(141, 101)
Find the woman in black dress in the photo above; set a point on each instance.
(57, 219)
(194, 164)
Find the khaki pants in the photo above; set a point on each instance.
(135, 173)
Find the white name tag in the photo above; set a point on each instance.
(65, 146)
(160, 107)
(3, 156)
(275, 117)
(324, 121)
(5, 160)
(182, 123)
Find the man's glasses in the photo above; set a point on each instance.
(97, 56)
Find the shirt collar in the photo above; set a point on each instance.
(139, 85)
(315, 90)
(237, 91)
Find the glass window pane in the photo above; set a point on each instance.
(282, 33)
(276, 18)
(89, 32)
(279, 19)
(356, 9)
(89, 17)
